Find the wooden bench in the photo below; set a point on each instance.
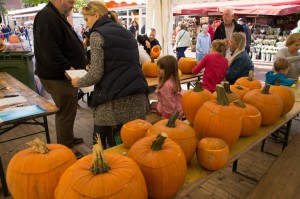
(282, 180)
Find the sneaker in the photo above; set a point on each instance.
(77, 153)
(77, 140)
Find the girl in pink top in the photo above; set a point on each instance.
(215, 65)
(169, 93)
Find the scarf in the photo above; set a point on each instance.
(233, 56)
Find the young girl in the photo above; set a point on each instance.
(169, 93)
(215, 65)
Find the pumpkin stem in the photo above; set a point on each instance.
(39, 146)
(266, 89)
(277, 82)
(152, 59)
(221, 95)
(159, 141)
(198, 87)
(239, 103)
(227, 87)
(250, 76)
(172, 119)
(99, 160)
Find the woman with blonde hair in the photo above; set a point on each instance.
(292, 54)
(239, 63)
(120, 92)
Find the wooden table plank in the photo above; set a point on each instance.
(153, 81)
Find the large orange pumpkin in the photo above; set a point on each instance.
(14, 39)
(286, 94)
(251, 118)
(193, 99)
(100, 175)
(179, 131)
(212, 153)
(241, 90)
(155, 52)
(268, 104)
(186, 64)
(134, 130)
(218, 118)
(35, 172)
(249, 82)
(162, 163)
(150, 68)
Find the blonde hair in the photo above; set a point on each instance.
(219, 46)
(292, 38)
(94, 7)
(281, 64)
(239, 38)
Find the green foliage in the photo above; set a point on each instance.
(78, 3)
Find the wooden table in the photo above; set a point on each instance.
(196, 174)
(18, 88)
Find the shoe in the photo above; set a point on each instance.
(77, 140)
(77, 153)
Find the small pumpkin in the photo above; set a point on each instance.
(241, 90)
(193, 99)
(35, 172)
(162, 163)
(100, 175)
(249, 82)
(179, 131)
(134, 130)
(187, 64)
(212, 153)
(155, 52)
(269, 104)
(150, 68)
(14, 39)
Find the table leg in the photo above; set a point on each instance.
(286, 134)
(46, 129)
(3, 180)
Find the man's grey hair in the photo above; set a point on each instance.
(231, 12)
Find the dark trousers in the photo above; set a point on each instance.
(64, 96)
(180, 52)
(107, 135)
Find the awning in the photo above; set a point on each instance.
(268, 10)
(24, 15)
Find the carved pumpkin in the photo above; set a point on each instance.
(187, 64)
(133, 131)
(286, 94)
(35, 172)
(179, 131)
(241, 90)
(14, 39)
(249, 82)
(150, 68)
(231, 96)
(212, 153)
(162, 163)
(193, 99)
(268, 104)
(155, 52)
(251, 118)
(218, 118)
(100, 175)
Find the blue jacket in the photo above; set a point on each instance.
(284, 81)
(240, 67)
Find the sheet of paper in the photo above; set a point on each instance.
(76, 73)
(12, 100)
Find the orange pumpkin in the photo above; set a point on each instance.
(251, 118)
(133, 131)
(231, 96)
(155, 52)
(150, 68)
(212, 153)
(268, 104)
(100, 175)
(2, 45)
(35, 172)
(218, 118)
(179, 73)
(249, 82)
(162, 163)
(186, 64)
(14, 39)
(179, 131)
(241, 90)
(193, 99)
(286, 94)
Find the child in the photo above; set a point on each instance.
(282, 67)
(215, 65)
(169, 93)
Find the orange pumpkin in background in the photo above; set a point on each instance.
(241, 90)
(187, 64)
(14, 39)
(150, 68)
(155, 52)
(249, 82)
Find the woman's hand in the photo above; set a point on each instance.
(75, 82)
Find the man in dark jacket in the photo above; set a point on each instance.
(57, 48)
(227, 27)
(148, 41)
(243, 22)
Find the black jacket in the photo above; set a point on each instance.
(123, 75)
(56, 45)
(143, 38)
(220, 31)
